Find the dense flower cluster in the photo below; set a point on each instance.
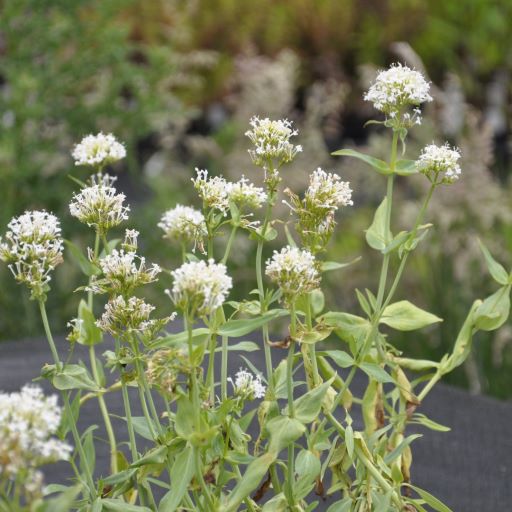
(245, 195)
(200, 287)
(33, 248)
(122, 272)
(28, 420)
(295, 271)
(316, 212)
(439, 163)
(184, 224)
(398, 88)
(99, 205)
(214, 192)
(164, 368)
(271, 139)
(247, 386)
(98, 150)
(130, 315)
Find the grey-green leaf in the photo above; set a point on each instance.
(378, 235)
(405, 316)
(237, 328)
(496, 270)
(182, 472)
(379, 165)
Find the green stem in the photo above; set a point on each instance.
(194, 392)
(200, 478)
(259, 280)
(224, 369)
(229, 245)
(210, 375)
(291, 406)
(67, 405)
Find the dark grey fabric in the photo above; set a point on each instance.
(469, 468)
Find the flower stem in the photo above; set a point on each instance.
(67, 405)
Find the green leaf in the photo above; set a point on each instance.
(62, 503)
(379, 165)
(496, 270)
(405, 316)
(343, 505)
(85, 265)
(141, 427)
(307, 467)
(349, 440)
(432, 425)
(283, 431)
(307, 407)
(350, 328)
(463, 342)
(90, 333)
(198, 336)
(154, 456)
(114, 505)
(182, 472)
(341, 358)
(378, 235)
(242, 346)
(406, 167)
(251, 479)
(374, 371)
(74, 376)
(494, 310)
(237, 328)
(431, 500)
(391, 456)
(326, 266)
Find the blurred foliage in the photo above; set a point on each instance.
(177, 81)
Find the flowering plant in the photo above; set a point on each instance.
(264, 439)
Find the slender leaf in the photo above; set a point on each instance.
(379, 165)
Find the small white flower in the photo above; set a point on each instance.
(213, 191)
(397, 88)
(33, 248)
(199, 287)
(99, 206)
(123, 271)
(184, 224)
(28, 419)
(247, 386)
(130, 240)
(122, 315)
(439, 163)
(294, 270)
(271, 141)
(327, 191)
(245, 195)
(98, 150)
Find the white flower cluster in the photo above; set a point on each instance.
(327, 191)
(184, 224)
(200, 287)
(247, 386)
(439, 163)
(245, 195)
(294, 270)
(28, 419)
(217, 193)
(33, 248)
(398, 88)
(271, 141)
(99, 205)
(122, 315)
(122, 272)
(98, 150)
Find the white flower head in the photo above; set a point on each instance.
(132, 315)
(326, 191)
(213, 191)
(439, 163)
(122, 272)
(248, 386)
(99, 206)
(294, 270)
(184, 224)
(200, 287)
(98, 150)
(33, 248)
(398, 88)
(271, 141)
(28, 420)
(245, 195)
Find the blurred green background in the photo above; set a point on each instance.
(177, 81)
